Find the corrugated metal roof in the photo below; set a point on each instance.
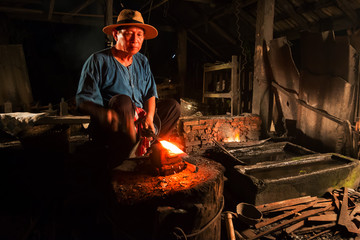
(218, 23)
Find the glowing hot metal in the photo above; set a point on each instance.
(173, 149)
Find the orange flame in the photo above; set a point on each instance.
(236, 138)
(171, 147)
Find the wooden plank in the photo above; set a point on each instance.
(261, 88)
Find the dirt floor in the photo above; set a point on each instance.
(60, 195)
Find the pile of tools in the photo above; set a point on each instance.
(336, 215)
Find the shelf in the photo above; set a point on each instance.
(218, 67)
(225, 74)
(217, 95)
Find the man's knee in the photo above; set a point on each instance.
(121, 103)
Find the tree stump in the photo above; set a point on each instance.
(168, 207)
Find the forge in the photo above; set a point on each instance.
(164, 196)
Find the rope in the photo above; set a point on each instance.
(186, 236)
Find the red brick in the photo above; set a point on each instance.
(192, 143)
(187, 129)
(198, 127)
(191, 123)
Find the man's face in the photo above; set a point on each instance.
(130, 39)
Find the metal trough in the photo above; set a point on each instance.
(294, 177)
(267, 153)
(258, 153)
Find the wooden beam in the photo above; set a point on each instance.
(222, 33)
(248, 18)
(201, 1)
(59, 19)
(81, 7)
(109, 19)
(205, 44)
(289, 9)
(181, 58)
(222, 11)
(261, 87)
(76, 10)
(20, 10)
(51, 9)
(17, 2)
(201, 49)
(156, 6)
(344, 5)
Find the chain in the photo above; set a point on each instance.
(237, 8)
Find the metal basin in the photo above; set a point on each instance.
(300, 176)
(268, 152)
(262, 153)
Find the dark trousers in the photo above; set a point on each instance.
(165, 119)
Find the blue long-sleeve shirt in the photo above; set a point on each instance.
(103, 77)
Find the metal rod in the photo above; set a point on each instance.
(226, 151)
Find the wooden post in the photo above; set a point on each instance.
(109, 19)
(261, 89)
(181, 57)
(235, 86)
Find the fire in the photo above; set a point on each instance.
(236, 138)
(171, 147)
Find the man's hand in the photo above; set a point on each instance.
(149, 123)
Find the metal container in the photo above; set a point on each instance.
(258, 153)
(299, 176)
(267, 152)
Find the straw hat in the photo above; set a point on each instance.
(129, 17)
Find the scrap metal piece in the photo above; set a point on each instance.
(285, 203)
(344, 218)
(285, 74)
(282, 216)
(293, 220)
(165, 162)
(333, 95)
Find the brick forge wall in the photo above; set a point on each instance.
(196, 133)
